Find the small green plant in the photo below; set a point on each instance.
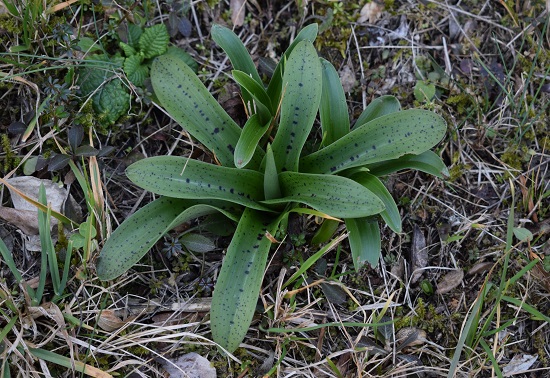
(110, 96)
(264, 174)
(48, 262)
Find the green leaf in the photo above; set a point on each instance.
(325, 232)
(128, 50)
(523, 234)
(68, 363)
(364, 241)
(424, 91)
(136, 72)
(302, 94)
(197, 243)
(46, 242)
(110, 99)
(253, 131)
(86, 150)
(379, 107)
(88, 45)
(134, 33)
(427, 161)
(333, 109)
(238, 286)
(390, 214)
(138, 233)
(262, 103)
(181, 177)
(272, 189)
(235, 50)
(188, 101)
(333, 195)
(239, 57)
(183, 56)
(384, 138)
(154, 41)
(275, 88)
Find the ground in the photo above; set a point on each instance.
(463, 290)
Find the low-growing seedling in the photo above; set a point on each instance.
(98, 78)
(263, 175)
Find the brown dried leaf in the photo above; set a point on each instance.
(370, 12)
(347, 77)
(410, 336)
(109, 322)
(25, 220)
(419, 254)
(189, 365)
(237, 12)
(450, 281)
(480, 267)
(24, 215)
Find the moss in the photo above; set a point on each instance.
(462, 101)
(10, 159)
(10, 25)
(457, 170)
(427, 318)
(513, 157)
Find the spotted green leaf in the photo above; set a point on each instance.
(137, 234)
(235, 50)
(301, 96)
(239, 282)
(188, 101)
(388, 137)
(181, 177)
(333, 195)
(275, 88)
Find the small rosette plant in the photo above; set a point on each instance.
(263, 174)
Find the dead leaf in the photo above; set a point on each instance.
(190, 365)
(237, 12)
(519, 364)
(480, 267)
(109, 322)
(370, 12)
(419, 254)
(450, 281)
(347, 77)
(410, 336)
(27, 218)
